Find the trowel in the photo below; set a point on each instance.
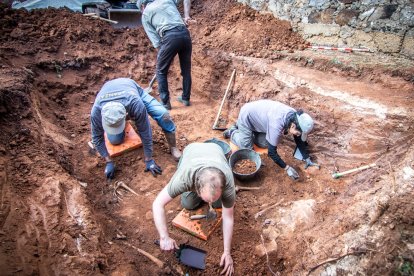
(211, 215)
(190, 256)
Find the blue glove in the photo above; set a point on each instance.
(151, 166)
(310, 163)
(110, 170)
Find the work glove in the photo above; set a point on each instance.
(310, 163)
(291, 172)
(151, 166)
(110, 170)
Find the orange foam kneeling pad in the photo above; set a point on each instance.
(199, 228)
(132, 141)
(255, 148)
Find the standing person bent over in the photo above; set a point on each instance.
(117, 99)
(168, 33)
(203, 174)
(263, 122)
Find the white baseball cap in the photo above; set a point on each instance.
(113, 121)
(306, 125)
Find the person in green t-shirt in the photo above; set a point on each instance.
(203, 174)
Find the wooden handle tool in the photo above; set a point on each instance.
(338, 175)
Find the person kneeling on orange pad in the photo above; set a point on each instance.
(117, 99)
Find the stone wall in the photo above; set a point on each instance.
(380, 25)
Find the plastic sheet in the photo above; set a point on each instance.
(75, 5)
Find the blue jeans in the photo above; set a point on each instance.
(175, 41)
(157, 112)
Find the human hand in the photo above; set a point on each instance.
(151, 166)
(168, 244)
(110, 170)
(291, 172)
(310, 163)
(188, 20)
(227, 263)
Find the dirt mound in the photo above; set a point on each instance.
(58, 214)
(238, 29)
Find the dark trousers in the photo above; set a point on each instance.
(175, 41)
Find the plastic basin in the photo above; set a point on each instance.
(245, 154)
(223, 145)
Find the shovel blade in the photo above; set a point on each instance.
(193, 257)
(130, 18)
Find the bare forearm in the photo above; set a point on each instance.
(228, 222)
(187, 7)
(160, 219)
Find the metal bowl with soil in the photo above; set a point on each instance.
(245, 163)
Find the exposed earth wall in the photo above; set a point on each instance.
(381, 25)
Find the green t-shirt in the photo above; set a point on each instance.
(197, 156)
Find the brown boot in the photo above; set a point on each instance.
(175, 152)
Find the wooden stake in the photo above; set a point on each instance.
(157, 261)
(338, 175)
(244, 188)
(224, 98)
(94, 15)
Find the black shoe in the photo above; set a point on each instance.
(167, 105)
(227, 133)
(184, 102)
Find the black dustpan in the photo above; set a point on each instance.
(191, 256)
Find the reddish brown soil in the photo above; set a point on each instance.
(205, 224)
(244, 166)
(58, 215)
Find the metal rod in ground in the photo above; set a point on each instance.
(224, 98)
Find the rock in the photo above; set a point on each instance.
(346, 32)
(383, 12)
(325, 17)
(366, 14)
(388, 43)
(148, 215)
(406, 15)
(83, 184)
(320, 29)
(319, 4)
(345, 16)
(408, 44)
(120, 236)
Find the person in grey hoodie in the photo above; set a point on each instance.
(263, 122)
